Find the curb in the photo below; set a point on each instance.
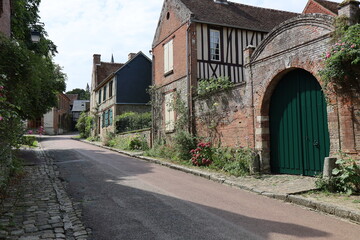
(327, 208)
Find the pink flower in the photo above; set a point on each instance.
(1, 87)
(1, 118)
(352, 46)
(30, 132)
(328, 55)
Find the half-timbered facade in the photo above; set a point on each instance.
(219, 51)
(203, 39)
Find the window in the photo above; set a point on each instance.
(169, 112)
(104, 97)
(214, 45)
(168, 57)
(111, 89)
(99, 96)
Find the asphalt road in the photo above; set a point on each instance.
(127, 198)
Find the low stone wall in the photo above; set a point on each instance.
(145, 133)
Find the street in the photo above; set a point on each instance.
(127, 198)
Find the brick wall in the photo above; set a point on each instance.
(5, 17)
(241, 116)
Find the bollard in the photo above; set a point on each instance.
(255, 164)
(329, 165)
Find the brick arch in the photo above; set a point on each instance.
(314, 26)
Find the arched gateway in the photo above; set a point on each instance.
(299, 136)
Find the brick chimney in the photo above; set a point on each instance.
(96, 59)
(131, 56)
(351, 10)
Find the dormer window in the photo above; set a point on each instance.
(214, 45)
(221, 1)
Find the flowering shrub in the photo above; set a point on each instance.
(206, 86)
(202, 155)
(342, 61)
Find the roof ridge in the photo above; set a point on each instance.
(265, 8)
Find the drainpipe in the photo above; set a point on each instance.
(189, 85)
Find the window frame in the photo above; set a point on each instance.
(211, 54)
(99, 95)
(104, 95)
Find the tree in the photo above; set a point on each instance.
(82, 94)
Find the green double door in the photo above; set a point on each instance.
(299, 136)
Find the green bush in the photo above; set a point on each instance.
(135, 142)
(29, 140)
(132, 121)
(184, 142)
(207, 86)
(345, 179)
(235, 161)
(85, 124)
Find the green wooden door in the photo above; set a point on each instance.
(299, 136)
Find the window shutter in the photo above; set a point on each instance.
(170, 57)
(103, 119)
(111, 116)
(169, 112)
(166, 58)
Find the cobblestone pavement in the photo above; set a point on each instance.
(38, 207)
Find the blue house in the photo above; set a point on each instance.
(119, 88)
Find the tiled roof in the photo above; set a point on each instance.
(105, 69)
(236, 15)
(72, 97)
(332, 6)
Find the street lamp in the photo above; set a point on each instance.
(35, 36)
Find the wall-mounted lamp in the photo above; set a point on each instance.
(35, 36)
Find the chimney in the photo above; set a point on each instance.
(131, 56)
(351, 10)
(96, 59)
(221, 1)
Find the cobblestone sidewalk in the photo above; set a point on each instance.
(38, 207)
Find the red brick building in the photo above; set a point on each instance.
(277, 106)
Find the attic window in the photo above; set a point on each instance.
(168, 16)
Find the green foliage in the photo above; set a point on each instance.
(82, 94)
(342, 62)
(85, 124)
(345, 179)
(132, 121)
(31, 81)
(134, 142)
(162, 150)
(29, 140)
(184, 142)
(208, 86)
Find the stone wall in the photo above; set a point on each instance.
(146, 134)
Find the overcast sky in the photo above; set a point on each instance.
(81, 28)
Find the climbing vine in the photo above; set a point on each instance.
(342, 61)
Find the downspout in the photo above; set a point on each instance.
(188, 73)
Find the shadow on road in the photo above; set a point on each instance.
(116, 205)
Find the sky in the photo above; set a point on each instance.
(82, 28)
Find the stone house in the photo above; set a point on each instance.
(277, 74)
(5, 15)
(119, 88)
